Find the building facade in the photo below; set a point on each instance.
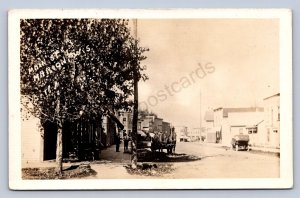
(195, 134)
(232, 121)
(126, 119)
(209, 133)
(272, 120)
(181, 133)
(82, 137)
(166, 128)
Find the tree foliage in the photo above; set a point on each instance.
(78, 67)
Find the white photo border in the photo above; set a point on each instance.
(286, 103)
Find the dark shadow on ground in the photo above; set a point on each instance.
(149, 156)
(72, 167)
(150, 169)
(264, 153)
(74, 171)
(101, 161)
(208, 156)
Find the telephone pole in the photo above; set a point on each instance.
(200, 118)
(135, 105)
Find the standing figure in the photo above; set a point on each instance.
(126, 141)
(117, 141)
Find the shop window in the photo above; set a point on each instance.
(252, 130)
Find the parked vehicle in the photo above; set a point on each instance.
(240, 142)
(144, 140)
(185, 139)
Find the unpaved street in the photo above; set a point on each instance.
(216, 162)
(225, 163)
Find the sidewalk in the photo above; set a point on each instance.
(265, 149)
(46, 164)
(110, 154)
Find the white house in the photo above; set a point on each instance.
(231, 121)
(272, 120)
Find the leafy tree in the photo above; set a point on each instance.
(72, 68)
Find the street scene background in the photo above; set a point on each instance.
(209, 107)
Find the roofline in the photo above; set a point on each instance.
(238, 125)
(226, 112)
(218, 108)
(278, 94)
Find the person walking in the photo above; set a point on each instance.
(126, 141)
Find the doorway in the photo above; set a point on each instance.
(50, 137)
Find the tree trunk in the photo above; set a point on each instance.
(59, 142)
(59, 150)
(135, 111)
(134, 152)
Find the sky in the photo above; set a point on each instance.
(198, 64)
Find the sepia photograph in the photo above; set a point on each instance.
(150, 99)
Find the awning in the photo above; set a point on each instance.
(116, 120)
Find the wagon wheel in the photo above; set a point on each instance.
(248, 147)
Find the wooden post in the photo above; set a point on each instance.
(135, 106)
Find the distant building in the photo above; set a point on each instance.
(209, 120)
(146, 123)
(158, 124)
(166, 128)
(150, 123)
(209, 133)
(272, 120)
(181, 133)
(126, 119)
(231, 121)
(195, 134)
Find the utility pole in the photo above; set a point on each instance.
(200, 118)
(135, 105)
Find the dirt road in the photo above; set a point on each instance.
(215, 162)
(225, 163)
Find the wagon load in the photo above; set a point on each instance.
(161, 141)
